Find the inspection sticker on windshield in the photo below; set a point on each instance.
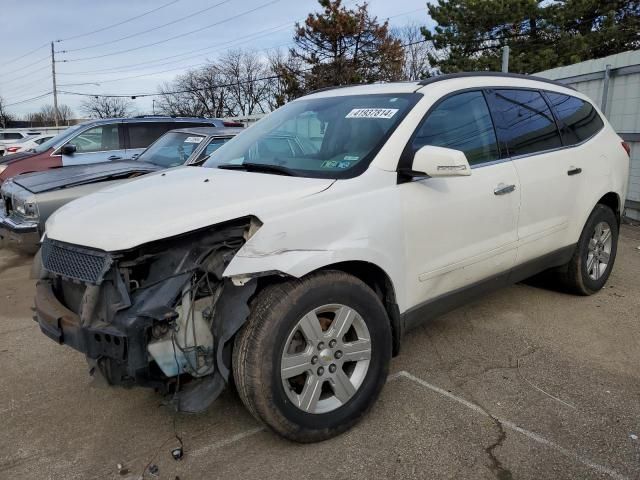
(193, 140)
(372, 113)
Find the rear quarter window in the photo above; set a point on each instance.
(579, 120)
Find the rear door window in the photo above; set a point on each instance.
(461, 122)
(579, 120)
(143, 134)
(524, 122)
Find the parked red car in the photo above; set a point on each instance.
(99, 141)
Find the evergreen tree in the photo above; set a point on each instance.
(539, 33)
(341, 46)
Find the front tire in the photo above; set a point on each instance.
(592, 262)
(313, 356)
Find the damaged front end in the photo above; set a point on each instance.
(160, 315)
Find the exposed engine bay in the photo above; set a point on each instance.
(160, 315)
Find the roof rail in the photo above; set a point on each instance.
(450, 76)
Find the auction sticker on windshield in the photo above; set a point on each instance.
(193, 140)
(372, 113)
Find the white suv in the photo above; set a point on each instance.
(308, 245)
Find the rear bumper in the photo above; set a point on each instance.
(24, 235)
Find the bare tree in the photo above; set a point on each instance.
(47, 116)
(246, 79)
(237, 84)
(106, 107)
(416, 51)
(5, 116)
(195, 93)
(288, 79)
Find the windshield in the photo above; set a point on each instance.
(332, 137)
(172, 149)
(43, 147)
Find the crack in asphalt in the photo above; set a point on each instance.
(500, 471)
(496, 466)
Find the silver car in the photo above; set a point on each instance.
(27, 201)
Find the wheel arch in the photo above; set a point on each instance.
(612, 200)
(370, 274)
(380, 282)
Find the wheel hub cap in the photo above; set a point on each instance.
(326, 356)
(325, 359)
(599, 251)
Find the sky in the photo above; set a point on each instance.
(132, 46)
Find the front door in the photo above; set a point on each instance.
(102, 143)
(460, 231)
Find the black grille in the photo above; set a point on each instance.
(73, 262)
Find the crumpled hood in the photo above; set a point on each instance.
(57, 178)
(172, 202)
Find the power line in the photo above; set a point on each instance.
(26, 74)
(215, 47)
(29, 65)
(175, 36)
(117, 24)
(28, 100)
(209, 87)
(20, 88)
(145, 31)
(13, 60)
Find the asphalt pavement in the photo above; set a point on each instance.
(527, 383)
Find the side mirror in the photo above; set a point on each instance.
(440, 162)
(68, 149)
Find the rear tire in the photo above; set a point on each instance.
(313, 356)
(592, 262)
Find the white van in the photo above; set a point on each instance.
(307, 247)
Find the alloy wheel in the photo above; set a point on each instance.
(326, 358)
(599, 250)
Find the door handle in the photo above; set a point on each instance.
(114, 157)
(503, 189)
(574, 171)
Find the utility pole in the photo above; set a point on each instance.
(55, 90)
(505, 59)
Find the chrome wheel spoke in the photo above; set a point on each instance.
(342, 386)
(606, 235)
(604, 257)
(294, 365)
(355, 351)
(311, 329)
(591, 260)
(310, 393)
(343, 321)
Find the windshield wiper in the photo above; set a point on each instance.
(259, 167)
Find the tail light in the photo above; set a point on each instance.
(627, 148)
(233, 124)
(12, 149)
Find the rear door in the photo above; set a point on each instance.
(142, 134)
(101, 143)
(528, 131)
(459, 230)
